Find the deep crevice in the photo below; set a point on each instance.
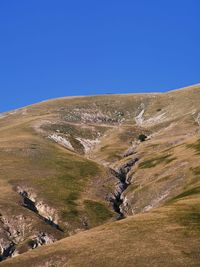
(122, 175)
(8, 251)
(31, 205)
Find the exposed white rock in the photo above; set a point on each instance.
(30, 193)
(42, 208)
(13, 112)
(139, 118)
(155, 202)
(61, 140)
(193, 111)
(125, 204)
(15, 227)
(14, 230)
(15, 254)
(88, 144)
(7, 248)
(97, 116)
(24, 111)
(147, 208)
(47, 212)
(42, 239)
(2, 115)
(198, 119)
(156, 119)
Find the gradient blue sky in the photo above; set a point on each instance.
(57, 48)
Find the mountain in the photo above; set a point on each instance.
(110, 180)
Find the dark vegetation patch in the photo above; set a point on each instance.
(130, 134)
(194, 217)
(142, 137)
(155, 161)
(190, 218)
(195, 170)
(97, 212)
(190, 192)
(76, 144)
(71, 213)
(71, 199)
(64, 190)
(195, 146)
(171, 149)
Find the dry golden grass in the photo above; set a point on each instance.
(166, 176)
(168, 236)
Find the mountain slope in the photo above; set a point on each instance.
(166, 237)
(68, 165)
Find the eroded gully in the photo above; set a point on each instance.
(117, 198)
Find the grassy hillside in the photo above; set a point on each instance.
(168, 236)
(62, 162)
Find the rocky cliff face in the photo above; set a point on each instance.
(30, 201)
(17, 236)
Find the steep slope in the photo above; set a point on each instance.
(45, 189)
(168, 236)
(70, 164)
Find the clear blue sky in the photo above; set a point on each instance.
(57, 48)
